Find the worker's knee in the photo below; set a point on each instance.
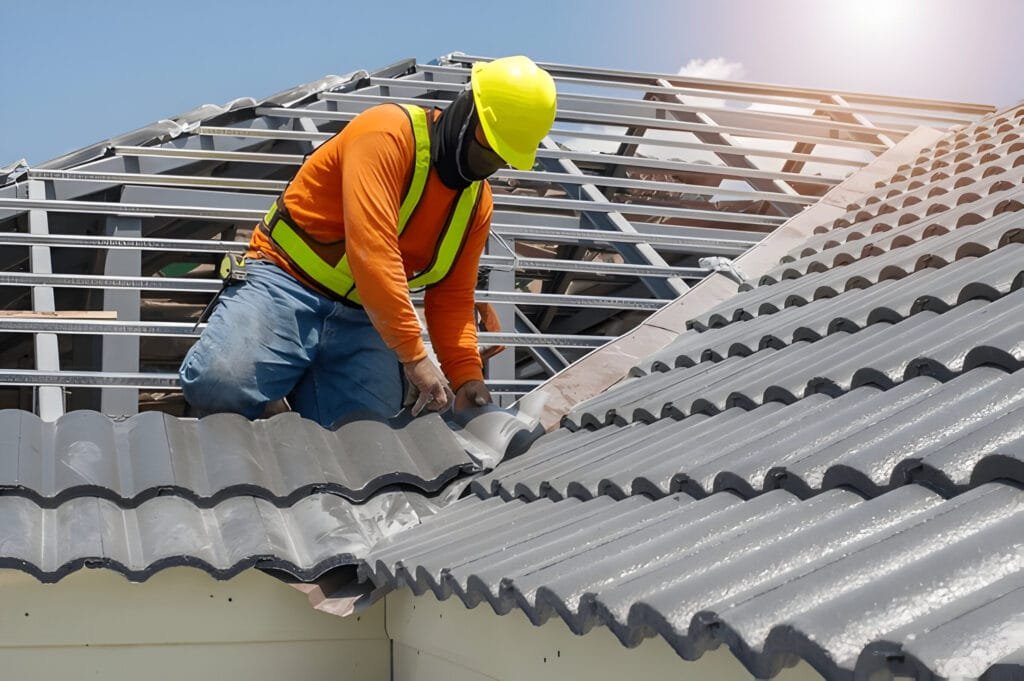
(220, 382)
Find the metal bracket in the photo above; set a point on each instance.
(724, 266)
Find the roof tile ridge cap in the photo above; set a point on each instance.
(294, 95)
(491, 434)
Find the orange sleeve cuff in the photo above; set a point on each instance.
(465, 372)
(411, 350)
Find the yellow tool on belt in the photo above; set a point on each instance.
(232, 269)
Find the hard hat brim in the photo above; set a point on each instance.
(518, 159)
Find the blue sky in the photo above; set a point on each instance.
(76, 72)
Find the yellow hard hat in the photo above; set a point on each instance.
(515, 100)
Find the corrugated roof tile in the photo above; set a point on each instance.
(206, 461)
(937, 251)
(973, 334)
(883, 360)
(316, 534)
(932, 289)
(952, 436)
(826, 579)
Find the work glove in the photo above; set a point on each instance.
(472, 394)
(428, 388)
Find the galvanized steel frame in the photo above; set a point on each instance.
(586, 238)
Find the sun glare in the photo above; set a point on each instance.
(880, 16)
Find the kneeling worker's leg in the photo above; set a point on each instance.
(254, 348)
(354, 371)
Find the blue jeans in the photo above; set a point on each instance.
(272, 337)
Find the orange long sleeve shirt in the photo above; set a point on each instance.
(350, 189)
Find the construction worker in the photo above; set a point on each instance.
(397, 201)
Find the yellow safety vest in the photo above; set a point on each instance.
(314, 260)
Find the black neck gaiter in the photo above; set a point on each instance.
(449, 139)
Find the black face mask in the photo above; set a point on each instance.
(461, 160)
(480, 161)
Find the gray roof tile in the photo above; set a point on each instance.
(952, 436)
(899, 237)
(991, 277)
(930, 189)
(963, 644)
(316, 534)
(973, 334)
(883, 362)
(935, 252)
(206, 461)
(942, 246)
(826, 579)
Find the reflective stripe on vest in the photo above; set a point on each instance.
(301, 249)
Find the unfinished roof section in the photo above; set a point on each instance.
(828, 464)
(106, 253)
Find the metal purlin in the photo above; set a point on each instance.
(162, 193)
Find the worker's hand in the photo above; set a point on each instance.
(429, 386)
(472, 394)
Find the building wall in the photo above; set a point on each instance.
(181, 624)
(435, 641)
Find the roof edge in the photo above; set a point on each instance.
(168, 128)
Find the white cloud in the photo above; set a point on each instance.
(731, 113)
(590, 144)
(716, 68)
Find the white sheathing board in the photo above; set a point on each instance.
(443, 640)
(181, 624)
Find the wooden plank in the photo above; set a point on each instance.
(59, 314)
